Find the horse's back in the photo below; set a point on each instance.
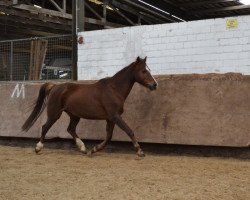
(82, 100)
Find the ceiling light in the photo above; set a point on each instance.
(246, 2)
(96, 2)
(153, 7)
(37, 6)
(160, 10)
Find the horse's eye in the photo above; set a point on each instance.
(144, 71)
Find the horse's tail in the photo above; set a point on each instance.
(39, 106)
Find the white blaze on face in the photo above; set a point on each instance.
(151, 75)
(80, 145)
(153, 78)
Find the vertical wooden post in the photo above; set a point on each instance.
(139, 19)
(11, 60)
(78, 20)
(74, 39)
(37, 56)
(81, 15)
(64, 6)
(105, 3)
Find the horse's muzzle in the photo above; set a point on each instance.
(153, 86)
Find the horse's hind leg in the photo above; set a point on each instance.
(109, 129)
(45, 128)
(72, 131)
(53, 116)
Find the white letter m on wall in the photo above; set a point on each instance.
(18, 90)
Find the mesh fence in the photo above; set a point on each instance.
(44, 58)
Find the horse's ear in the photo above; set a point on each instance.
(138, 59)
(145, 59)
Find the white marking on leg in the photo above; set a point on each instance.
(39, 146)
(80, 145)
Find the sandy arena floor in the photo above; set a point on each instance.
(69, 175)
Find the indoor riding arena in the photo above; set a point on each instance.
(125, 99)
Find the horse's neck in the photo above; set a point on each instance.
(123, 82)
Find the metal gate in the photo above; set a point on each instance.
(43, 58)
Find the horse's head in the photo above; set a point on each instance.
(142, 74)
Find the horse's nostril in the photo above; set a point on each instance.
(153, 86)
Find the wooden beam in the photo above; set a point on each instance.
(67, 48)
(139, 19)
(35, 23)
(10, 35)
(121, 14)
(105, 2)
(31, 19)
(21, 50)
(200, 3)
(29, 2)
(135, 12)
(74, 40)
(56, 5)
(80, 15)
(93, 11)
(33, 9)
(101, 23)
(229, 8)
(6, 3)
(146, 20)
(150, 17)
(145, 9)
(21, 30)
(64, 5)
(15, 12)
(172, 8)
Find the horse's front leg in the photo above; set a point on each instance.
(109, 129)
(122, 124)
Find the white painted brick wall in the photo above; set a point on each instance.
(204, 46)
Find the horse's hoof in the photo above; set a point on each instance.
(140, 153)
(39, 147)
(84, 151)
(89, 153)
(37, 150)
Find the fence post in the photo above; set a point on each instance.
(11, 60)
(74, 39)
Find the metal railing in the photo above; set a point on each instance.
(43, 58)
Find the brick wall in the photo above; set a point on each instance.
(205, 46)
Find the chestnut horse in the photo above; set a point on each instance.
(103, 100)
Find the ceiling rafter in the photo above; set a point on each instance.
(229, 8)
(46, 16)
(93, 10)
(34, 9)
(133, 11)
(199, 3)
(56, 6)
(122, 15)
(151, 11)
(38, 16)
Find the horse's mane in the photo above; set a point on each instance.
(124, 69)
(105, 80)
